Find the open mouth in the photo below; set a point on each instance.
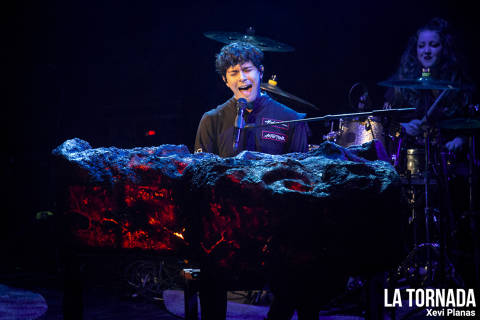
(245, 87)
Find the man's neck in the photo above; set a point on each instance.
(255, 104)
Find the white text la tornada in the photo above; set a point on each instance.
(435, 298)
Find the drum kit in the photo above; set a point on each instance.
(423, 167)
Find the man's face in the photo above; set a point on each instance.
(429, 48)
(244, 81)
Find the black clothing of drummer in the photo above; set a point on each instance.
(449, 198)
(239, 65)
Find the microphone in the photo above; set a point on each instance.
(239, 122)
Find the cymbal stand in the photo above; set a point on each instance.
(428, 210)
(446, 268)
(426, 180)
(473, 214)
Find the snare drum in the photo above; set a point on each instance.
(411, 163)
(415, 162)
(354, 132)
(358, 132)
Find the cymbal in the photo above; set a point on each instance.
(421, 83)
(263, 43)
(271, 86)
(460, 124)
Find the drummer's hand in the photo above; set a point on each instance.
(455, 144)
(413, 128)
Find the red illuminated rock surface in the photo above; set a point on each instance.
(117, 198)
(330, 202)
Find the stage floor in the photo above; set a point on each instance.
(106, 298)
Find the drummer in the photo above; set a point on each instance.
(432, 47)
(431, 50)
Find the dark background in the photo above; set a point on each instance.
(109, 71)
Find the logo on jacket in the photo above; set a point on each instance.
(273, 122)
(275, 136)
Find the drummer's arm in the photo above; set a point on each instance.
(413, 127)
(456, 144)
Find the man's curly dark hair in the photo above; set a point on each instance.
(237, 53)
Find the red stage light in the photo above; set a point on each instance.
(150, 133)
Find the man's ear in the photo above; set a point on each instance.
(224, 80)
(261, 71)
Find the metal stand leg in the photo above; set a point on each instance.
(375, 309)
(473, 214)
(190, 293)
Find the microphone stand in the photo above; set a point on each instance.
(331, 117)
(239, 123)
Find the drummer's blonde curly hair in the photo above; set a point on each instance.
(237, 53)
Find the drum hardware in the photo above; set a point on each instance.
(428, 261)
(442, 263)
(263, 43)
(469, 127)
(428, 209)
(332, 135)
(460, 124)
(414, 161)
(422, 83)
(396, 148)
(313, 147)
(419, 266)
(357, 132)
